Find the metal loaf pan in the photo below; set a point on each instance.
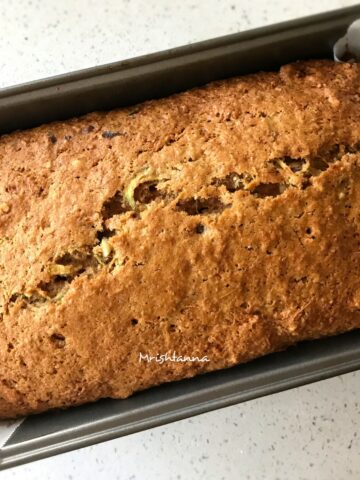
(132, 81)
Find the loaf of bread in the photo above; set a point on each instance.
(183, 235)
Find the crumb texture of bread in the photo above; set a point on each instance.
(219, 222)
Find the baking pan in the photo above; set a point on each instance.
(135, 80)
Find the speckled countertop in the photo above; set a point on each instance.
(307, 433)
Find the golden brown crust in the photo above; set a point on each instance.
(223, 221)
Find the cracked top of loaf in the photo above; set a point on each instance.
(222, 221)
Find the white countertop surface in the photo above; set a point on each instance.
(312, 432)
